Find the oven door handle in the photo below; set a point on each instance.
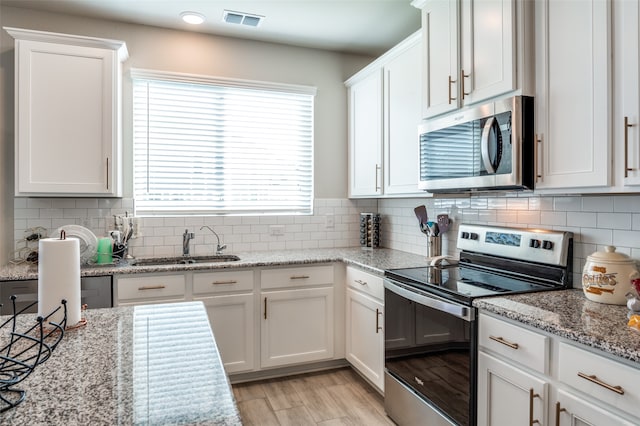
(431, 301)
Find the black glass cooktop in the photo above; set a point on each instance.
(464, 283)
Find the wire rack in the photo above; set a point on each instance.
(22, 352)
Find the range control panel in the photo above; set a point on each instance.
(531, 244)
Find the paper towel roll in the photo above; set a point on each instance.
(59, 278)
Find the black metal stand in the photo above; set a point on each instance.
(24, 351)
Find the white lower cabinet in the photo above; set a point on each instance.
(526, 375)
(146, 289)
(507, 395)
(231, 315)
(297, 326)
(261, 318)
(365, 339)
(365, 325)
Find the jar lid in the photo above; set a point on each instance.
(610, 255)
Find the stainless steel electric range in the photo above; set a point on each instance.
(430, 323)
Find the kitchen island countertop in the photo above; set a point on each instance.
(569, 314)
(374, 261)
(149, 364)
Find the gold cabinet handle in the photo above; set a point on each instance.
(537, 160)
(151, 287)
(462, 77)
(627, 169)
(265, 308)
(299, 277)
(450, 83)
(558, 411)
(532, 396)
(504, 342)
(378, 313)
(361, 282)
(594, 379)
(224, 282)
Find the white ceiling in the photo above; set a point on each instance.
(359, 26)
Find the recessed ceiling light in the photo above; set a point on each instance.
(241, 18)
(193, 18)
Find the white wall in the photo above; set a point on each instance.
(193, 53)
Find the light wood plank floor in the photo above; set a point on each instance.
(330, 398)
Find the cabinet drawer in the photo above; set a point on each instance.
(365, 282)
(296, 277)
(156, 287)
(514, 342)
(221, 282)
(604, 379)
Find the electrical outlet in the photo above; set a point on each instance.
(276, 230)
(329, 221)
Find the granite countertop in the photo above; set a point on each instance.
(150, 364)
(374, 261)
(569, 314)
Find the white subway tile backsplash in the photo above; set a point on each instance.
(597, 204)
(596, 221)
(626, 203)
(567, 204)
(553, 218)
(614, 220)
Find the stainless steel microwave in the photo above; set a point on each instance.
(483, 148)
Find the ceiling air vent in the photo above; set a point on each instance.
(241, 18)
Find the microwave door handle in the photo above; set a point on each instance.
(484, 146)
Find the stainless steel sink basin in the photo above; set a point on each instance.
(185, 260)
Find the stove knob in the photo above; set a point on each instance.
(473, 236)
(534, 243)
(465, 235)
(547, 245)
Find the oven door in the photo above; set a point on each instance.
(430, 352)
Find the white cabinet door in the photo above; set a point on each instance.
(627, 120)
(488, 49)
(365, 136)
(440, 53)
(67, 116)
(231, 318)
(365, 336)
(297, 326)
(573, 93)
(506, 394)
(402, 102)
(571, 410)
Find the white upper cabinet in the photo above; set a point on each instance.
(440, 57)
(365, 136)
(402, 106)
(488, 49)
(573, 93)
(384, 114)
(67, 101)
(471, 51)
(626, 122)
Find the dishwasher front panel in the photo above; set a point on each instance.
(97, 292)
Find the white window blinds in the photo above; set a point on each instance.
(212, 146)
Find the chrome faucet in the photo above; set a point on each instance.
(219, 247)
(186, 237)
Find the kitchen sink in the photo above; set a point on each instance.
(184, 260)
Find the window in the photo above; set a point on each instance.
(213, 146)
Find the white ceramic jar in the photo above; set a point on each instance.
(607, 276)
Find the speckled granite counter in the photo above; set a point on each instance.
(571, 315)
(152, 364)
(374, 261)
